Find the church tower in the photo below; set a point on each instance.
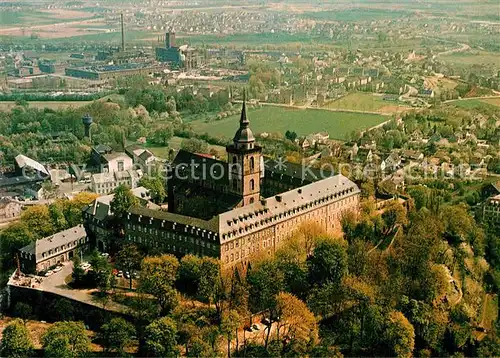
(244, 162)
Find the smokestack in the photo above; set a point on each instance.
(123, 33)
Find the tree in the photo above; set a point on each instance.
(37, 218)
(102, 276)
(61, 310)
(160, 338)
(123, 199)
(23, 310)
(189, 274)
(129, 259)
(16, 341)
(394, 216)
(14, 237)
(66, 339)
(231, 321)
(399, 335)
(290, 135)
(329, 262)
(116, 335)
(296, 322)
(72, 209)
(78, 274)
(265, 281)
(194, 145)
(57, 216)
(162, 135)
(158, 274)
(156, 187)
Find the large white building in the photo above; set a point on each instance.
(105, 183)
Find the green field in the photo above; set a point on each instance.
(111, 37)
(492, 103)
(302, 121)
(257, 39)
(175, 143)
(361, 101)
(16, 18)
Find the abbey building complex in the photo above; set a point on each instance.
(232, 210)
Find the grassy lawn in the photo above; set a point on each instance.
(361, 101)
(303, 122)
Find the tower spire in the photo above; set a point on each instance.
(243, 119)
(244, 137)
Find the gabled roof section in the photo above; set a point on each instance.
(210, 225)
(23, 161)
(251, 217)
(54, 241)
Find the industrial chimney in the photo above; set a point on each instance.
(123, 33)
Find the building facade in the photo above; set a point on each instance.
(52, 250)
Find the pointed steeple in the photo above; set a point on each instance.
(243, 119)
(244, 135)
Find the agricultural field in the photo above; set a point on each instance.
(30, 18)
(368, 102)
(302, 121)
(470, 58)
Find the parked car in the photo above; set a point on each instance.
(48, 273)
(85, 265)
(105, 254)
(57, 269)
(119, 274)
(127, 274)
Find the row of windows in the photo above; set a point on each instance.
(166, 233)
(339, 204)
(168, 246)
(172, 236)
(64, 247)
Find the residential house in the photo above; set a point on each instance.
(364, 155)
(391, 163)
(412, 155)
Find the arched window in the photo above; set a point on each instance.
(252, 164)
(251, 200)
(252, 184)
